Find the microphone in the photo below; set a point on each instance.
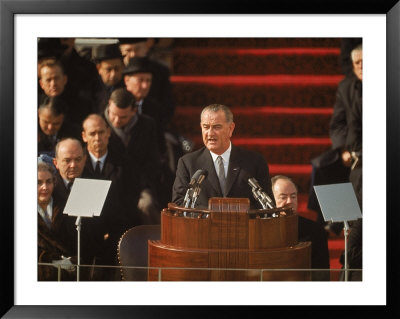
(202, 176)
(260, 195)
(197, 178)
(253, 183)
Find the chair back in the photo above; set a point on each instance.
(132, 251)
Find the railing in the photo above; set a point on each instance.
(115, 273)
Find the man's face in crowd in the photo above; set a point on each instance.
(357, 64)
(285, 193)
(128, 51)
(110, 71)
(96, 134)
(45, 187)
(70, 159)
(49, 123)
(216, 131)
(120, 117)
(52, 80)
(138, 84)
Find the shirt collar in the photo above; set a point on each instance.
(225, 156)
(94, 159)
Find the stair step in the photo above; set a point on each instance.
(272, 90)
(264, 121)
(213, 61)
(249, 110)
(288, 154)
(256, 42)
(259, 80)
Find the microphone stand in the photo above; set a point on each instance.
(186, 201)
(346, 232)
(78, 224)
(261, 197)
(257, 196)
(195, 195)
(188, 198)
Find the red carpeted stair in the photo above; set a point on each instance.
(281, 91)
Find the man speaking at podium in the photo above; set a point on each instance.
(229, 167)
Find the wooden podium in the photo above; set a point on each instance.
(228, 242)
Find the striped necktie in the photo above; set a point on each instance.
(221, 174)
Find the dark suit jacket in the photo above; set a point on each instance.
(141, 157)
(154, 109)
(348, 102)
(161, 88)
(243, 164)
(92, 229)
(113, 219)
(112, 169)
(315, 232)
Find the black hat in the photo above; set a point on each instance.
(138, 65)
(106, 52)
(50, 47)
(131, 40)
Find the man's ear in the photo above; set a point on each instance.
(126, 78)
(84, 136)
(232, 128)
(41, 84)
(55, 162)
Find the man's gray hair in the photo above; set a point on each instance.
(218, 107)
(357, 48)
(275, 178)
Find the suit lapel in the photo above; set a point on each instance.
(108, 168)
(233, 170)
(88, 165)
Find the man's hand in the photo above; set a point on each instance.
(65, 263)
(346, 158)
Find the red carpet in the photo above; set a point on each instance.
(281, 92)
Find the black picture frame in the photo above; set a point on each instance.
(8, 10)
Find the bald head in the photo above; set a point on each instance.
(285, 191)
(70, 158)
(96, 134)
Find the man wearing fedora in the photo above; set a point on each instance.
(138, 77)
(161, 87)
(109, 64)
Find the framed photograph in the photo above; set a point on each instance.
(22, 23)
